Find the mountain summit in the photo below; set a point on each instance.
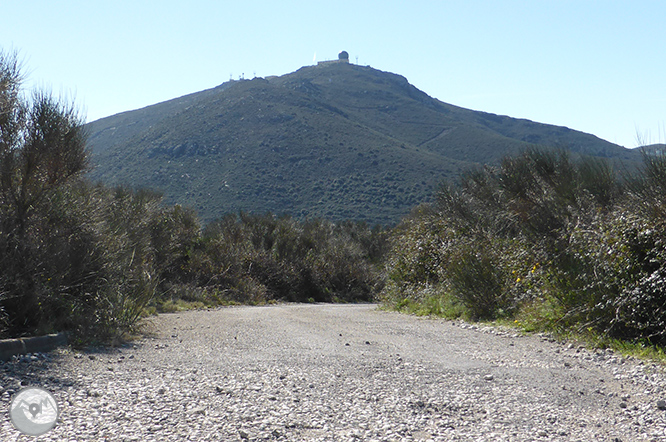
(335, 140)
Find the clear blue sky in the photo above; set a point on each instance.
(594, 66)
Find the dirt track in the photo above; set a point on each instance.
(342, 372)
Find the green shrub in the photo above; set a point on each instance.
(419, 251)
(542, 235)
(639, 308)
(477, 283)
(87, 260)
(285, 259)
(557, 244)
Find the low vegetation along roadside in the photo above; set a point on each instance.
(543, 242)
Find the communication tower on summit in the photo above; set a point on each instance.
(343, 57)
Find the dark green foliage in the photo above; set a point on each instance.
(87, 263)
(263, 257)
(73, 257)
(174, 232)
(42, 150)
(477, 280)
(419, 251)
(555, 242)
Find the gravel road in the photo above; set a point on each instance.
(340, 372)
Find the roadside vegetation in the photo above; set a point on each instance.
(544, 242)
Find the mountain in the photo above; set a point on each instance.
(654, 149)
(335, 140)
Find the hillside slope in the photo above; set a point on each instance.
(337, 141)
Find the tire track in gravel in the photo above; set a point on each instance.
(340, 372)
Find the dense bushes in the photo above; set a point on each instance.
(546, 240)
(94, 260)
(261, 258)
(42, 152)
(85, 263)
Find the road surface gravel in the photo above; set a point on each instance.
(296, 372)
